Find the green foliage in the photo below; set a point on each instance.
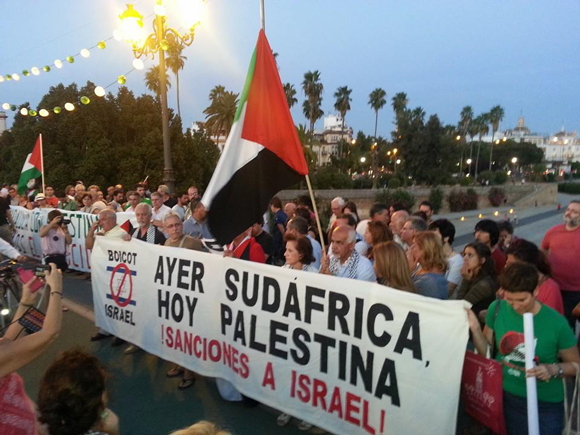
(460, 200)
(550, 177)
(467, 181)
(436, 198)
(394, 183)
(494, 177)
(500, 177)
(496, 196)
(389, 196)
(573, 188)
(329, 178)
(115, 139)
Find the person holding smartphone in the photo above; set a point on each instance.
(55, 238)
(18, 350)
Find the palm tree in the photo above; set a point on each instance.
(216, 92)
(152, 80)
(472, 130)
(175, 62)
(377, 100)
(465, 120)
(290, 94)
(305, 138)
(482, 126)
(313, 91)
(342, 104)
(221, 113)
(399, 103)
(495, 117)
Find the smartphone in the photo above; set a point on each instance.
(26, 276)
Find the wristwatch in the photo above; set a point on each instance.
(560, 373)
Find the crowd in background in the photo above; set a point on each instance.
(500, 275)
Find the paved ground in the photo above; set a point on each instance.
(149, 403)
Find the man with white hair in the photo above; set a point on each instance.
(398, 220)
(108, 222)
(336, 207)
(345, 262)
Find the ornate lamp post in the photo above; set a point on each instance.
(159, 42)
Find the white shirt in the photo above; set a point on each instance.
(362, 248)
(361, 228)
(160, 213)
(179, 209)
(8, 250)
(454, 265)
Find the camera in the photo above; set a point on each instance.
(65, 221)
(40, 270)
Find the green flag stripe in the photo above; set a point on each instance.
(247, 85)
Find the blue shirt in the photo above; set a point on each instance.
(193, 228)
(364, 271)
(433, 285)
(316, 251)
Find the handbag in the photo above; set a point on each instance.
(482, 391)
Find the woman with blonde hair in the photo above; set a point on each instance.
(427, 250)
(201, 428)
(391, 267)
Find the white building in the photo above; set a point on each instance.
(522, 134)
(3, 118)
(560, 150)
(329, 139)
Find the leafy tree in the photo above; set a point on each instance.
(495, 117)
(290, 94)
(399, 103)
(312, 88)
(175, 62)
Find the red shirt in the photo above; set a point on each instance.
(499, 259)
(549, 294)
(52, 201)
(16, 409)
(564, 256)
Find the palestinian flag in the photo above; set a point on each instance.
(32, 167)
(262, 154)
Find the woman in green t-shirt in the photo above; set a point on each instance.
(556, 352)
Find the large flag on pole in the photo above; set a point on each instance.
(32, 168)
(262, 154)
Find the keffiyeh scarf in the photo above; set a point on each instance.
(351, 265)
(150, 234)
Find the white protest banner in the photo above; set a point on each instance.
(351, 357)
(28, 223)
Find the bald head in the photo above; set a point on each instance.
(107, 219)
(398, 219)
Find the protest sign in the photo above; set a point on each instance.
(351, 357)
(28, 223)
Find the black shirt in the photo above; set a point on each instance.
(267, 243)
(159, 236)
(171, 201)
(4, 207)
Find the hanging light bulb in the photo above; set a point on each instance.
(100, 91)
(46, 68)
(58, 63)
(6, 106)
(70, 59)
(1, 79)
(34, 70)
(8, 77)
(138, 64)
(69, 106)
(121, 79)
(43, 112)
(32, 112)
(85, 100)
(16, 77)
(102, 44)
(57, 110)
(85, 53)
(25, 72)
(24, 111)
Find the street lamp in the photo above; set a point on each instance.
(397, 162)
(159, 42)
(514, 160)
(363, 159)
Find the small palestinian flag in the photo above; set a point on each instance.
(32, 167)
(262, 154)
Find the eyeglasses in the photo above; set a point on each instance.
(175, 225)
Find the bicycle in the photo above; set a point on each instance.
(10, 292)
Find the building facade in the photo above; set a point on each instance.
(330, 139)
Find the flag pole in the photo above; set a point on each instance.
(316, 213)
(42, 161)
(262, 15)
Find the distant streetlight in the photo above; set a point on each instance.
(497, 142)
(353, 142)
(468, 161)
(514, 160)
(398, 162)
(458, 137)
(363, 159)
(395, 151)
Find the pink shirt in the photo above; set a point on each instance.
(564, 247)
(549, 294)
(17, 414)
(54, 242)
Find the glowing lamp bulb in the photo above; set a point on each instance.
(35, 71)
(16, 77)
(69, 106)
(43, 113)
(462, 218)
(480, 215)
(6, 106)
(100, 91)
(24, 111)
(1, 79)
(58, 63)
(138, 64)
(85, 53)
(4, 311)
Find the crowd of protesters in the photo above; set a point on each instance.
(500, 275)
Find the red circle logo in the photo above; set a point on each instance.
(116, 292)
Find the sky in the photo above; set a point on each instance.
(446, 54)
